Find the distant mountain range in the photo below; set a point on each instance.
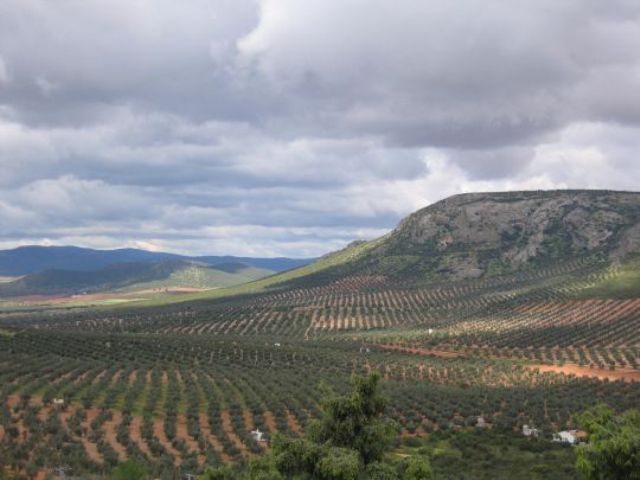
(33, 259)
(70, 270)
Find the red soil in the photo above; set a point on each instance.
(135, 433)
(270, 420)
(626, 374)
(43, 414)
(92, 414)
(292, 421)
(110, 432)
(183, 434)
(158, 432)
(90, 448)
(227, 427)
(213, 441)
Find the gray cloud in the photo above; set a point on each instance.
(287, 127)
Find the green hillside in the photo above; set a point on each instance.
(193, 275)
(480, 235)
(133, 276)
(277, 281)
(622, 282)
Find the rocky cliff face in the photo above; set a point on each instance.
(471, 235)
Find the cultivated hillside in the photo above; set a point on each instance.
(184, 383)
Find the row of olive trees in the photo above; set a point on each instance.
(349, 442)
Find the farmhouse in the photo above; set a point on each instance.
(481, 423)
(257, 435)
(530, 431)
(569, 436)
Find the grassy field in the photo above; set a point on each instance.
(197, 277)
(482, 454)
(624, 284)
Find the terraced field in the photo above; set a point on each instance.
(182, 386)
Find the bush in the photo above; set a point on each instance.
(129, 470)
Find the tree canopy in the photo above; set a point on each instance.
(613, 451)
(350, 442)
(129, 470)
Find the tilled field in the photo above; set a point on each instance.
(182, 387)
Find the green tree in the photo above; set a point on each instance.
(129, 470)
(218, 473)
(349, 442)
(417, 468)
(356, 421)
(613, 451)
(382, 471)
(263, 468)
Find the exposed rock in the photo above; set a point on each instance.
(629, 242)
(469, 235)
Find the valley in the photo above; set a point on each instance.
(181, 381)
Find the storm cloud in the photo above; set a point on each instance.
(281, 127)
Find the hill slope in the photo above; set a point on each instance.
(484, 234)
(479, 235)
(140, 275)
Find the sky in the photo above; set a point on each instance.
(290, 128)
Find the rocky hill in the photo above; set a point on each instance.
(479, 234)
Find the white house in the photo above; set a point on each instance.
(481, 423)
(58, 401)
(257, 435)
(569, 436)
(530, 431)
